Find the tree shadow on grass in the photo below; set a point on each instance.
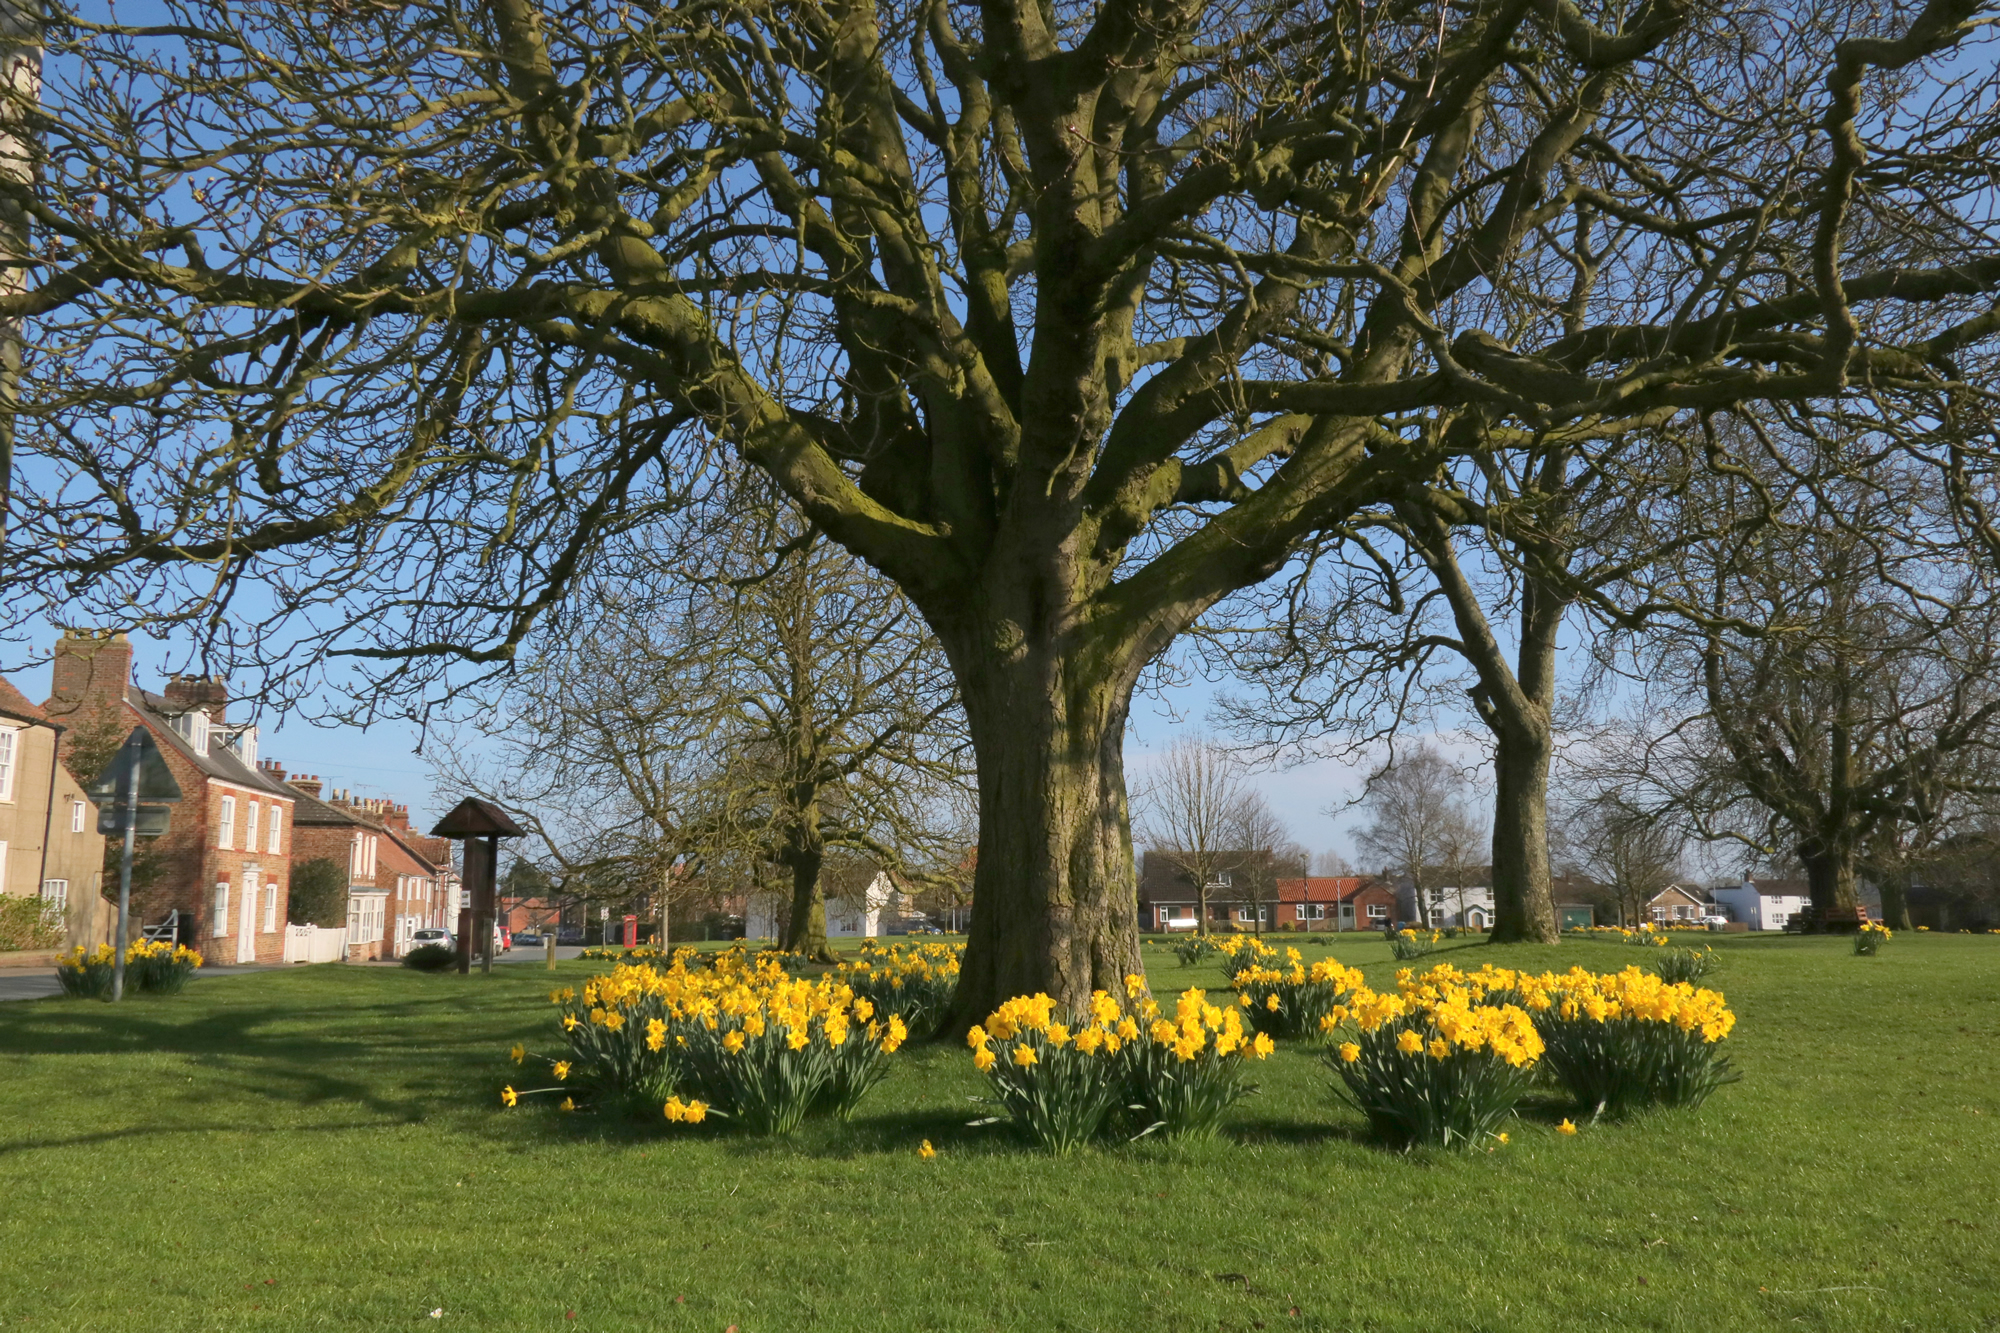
(398, 1057)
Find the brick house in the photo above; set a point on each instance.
(225, 863)
(1335, 902)
(1242, 892)
(398, 880)
(1677, 904)
(49, 843)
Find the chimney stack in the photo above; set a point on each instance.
(307, 783)
(207, 692)
(271, 769)
(90, 673)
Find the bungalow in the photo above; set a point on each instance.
(1334, 902)
(1678, 905)
(1242, 893)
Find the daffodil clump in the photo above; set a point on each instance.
(1684, 964)
(1868, 941)
(1240, 953)
(1194, 948)
(1406, 943)
(739, 1038)
(1443, 1062)
(1183, 1072)
(1062, 1076)
(1058, 1075)
(1630, 1039)
(914, 983)
(1289, 999)
(157, 966)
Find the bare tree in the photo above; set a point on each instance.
(1633, 855)
(751, 696)
(1268, 853)
(1841, 682)
(1072, 321)
(1191, 814)
(1416, 802)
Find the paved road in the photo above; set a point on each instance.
(35, 984)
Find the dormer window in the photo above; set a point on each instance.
(240, 741)
(193, 727)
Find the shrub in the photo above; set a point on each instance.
(1185, 1072)
(1406, 943)
(431, 958)
(1440, 1064)
(914, 983)
(1294, 1000)
(1682, 964)
(1868, 941)
(1058, 1079)
(29, 923)
(155, 966)
(318, 895)
(1629, 1040)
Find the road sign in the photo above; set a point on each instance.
(132, 795)
(156, 783)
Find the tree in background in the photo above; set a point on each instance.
(1268, 854)
(1416, 804)
(1191, 814)
(318, 894)
(741, 701)
(1840, 681)
(1634, 856)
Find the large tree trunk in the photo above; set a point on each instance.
(1830, 880)
(805, 931)
(1055, 905)
(1896, 900)
(1523, 909)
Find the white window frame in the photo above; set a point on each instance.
(1299, 912)
(277, 821)
(221, 908)
(225, 825)
(10, 759)
(1378, 911)
(77, 807)
(56, 891)
(270, 906)
(249, 826)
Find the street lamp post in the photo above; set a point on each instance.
(132, 795)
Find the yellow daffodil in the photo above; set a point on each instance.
(925, 1151)
(509, 1097)
(1024, 1056)
(1349, 1052)
(1566, 1127)
(560, 1069)
(1408, 1042)
(519, 1053)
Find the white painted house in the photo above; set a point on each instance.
(861, 916)
(1470, 906)
(1764, 904)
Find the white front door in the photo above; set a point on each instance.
(246, 920)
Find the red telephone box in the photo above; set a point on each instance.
(631, 932)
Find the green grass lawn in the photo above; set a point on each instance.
(323, 1148)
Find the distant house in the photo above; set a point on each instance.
(1242, 892)
(222, 871)
(1764, 904)
(398, 880)
(1469, 906)
(49, 844)
(1334, 902)
(1678, 904)
(877, 910)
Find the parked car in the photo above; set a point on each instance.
(433, 935)
(569, 935)
(924, 928)
(531, 938)
(1715, 921)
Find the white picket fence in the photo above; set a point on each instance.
(315, 944)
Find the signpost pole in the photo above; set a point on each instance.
(129, 816)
